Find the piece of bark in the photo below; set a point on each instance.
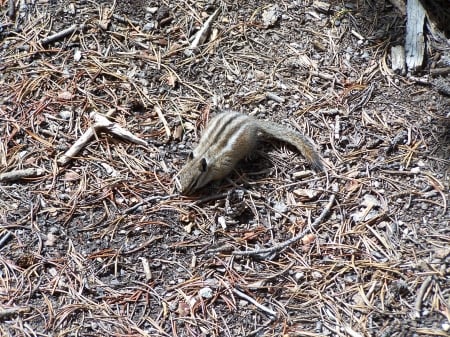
(398, 59)
(415, 41)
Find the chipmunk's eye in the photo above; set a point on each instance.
(204, 164)
(191, 155)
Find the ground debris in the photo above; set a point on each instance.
(103, 245)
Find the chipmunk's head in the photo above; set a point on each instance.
(226, 140)
(194, 175)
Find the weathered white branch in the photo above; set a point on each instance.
(21, 174)
(201, 35)
(101, 123)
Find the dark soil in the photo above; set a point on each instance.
(104, 246)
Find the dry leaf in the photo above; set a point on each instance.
(171, 80)
(183, 309)
(305, 193)
(65, 95)
(308, 239)
(70, 176)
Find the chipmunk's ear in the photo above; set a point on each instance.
(204, 164)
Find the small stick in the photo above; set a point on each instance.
(11, 311)
(322, 75)
(420, 296)
(293, 240)
(163, 120)
(337, 127)
(146, 266)
(147, 200)
(76, 147)
(61, 34)
(123, 19)
(143, 245)
(201, 35)
(274, 97)
(254, 302)
(350, 331)
(439, 71)
(101, 123)
(5, 238)
(21, 174)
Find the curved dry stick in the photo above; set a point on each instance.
(201, 35)
(293, 240)
(254, 302)
(101, 123)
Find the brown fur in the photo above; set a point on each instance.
(228, 138)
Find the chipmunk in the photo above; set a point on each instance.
(228, 138)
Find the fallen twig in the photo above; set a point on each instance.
(201, 35)
(293, 240)
(126, 20)
(63, 33)
(5, 238)
(163, 120)
(102, 123)
(254, 302)
(274, 97)
(420, 296)
(21, 174)
(143, 245)
(11, 311)
(147, 200)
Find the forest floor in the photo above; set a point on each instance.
(100, 244)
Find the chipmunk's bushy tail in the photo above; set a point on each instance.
(301, 142)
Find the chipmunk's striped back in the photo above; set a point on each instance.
(223, 133)
(228, 138)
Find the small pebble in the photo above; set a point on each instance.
(298, 276)
(205, 292)
(316, 275)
